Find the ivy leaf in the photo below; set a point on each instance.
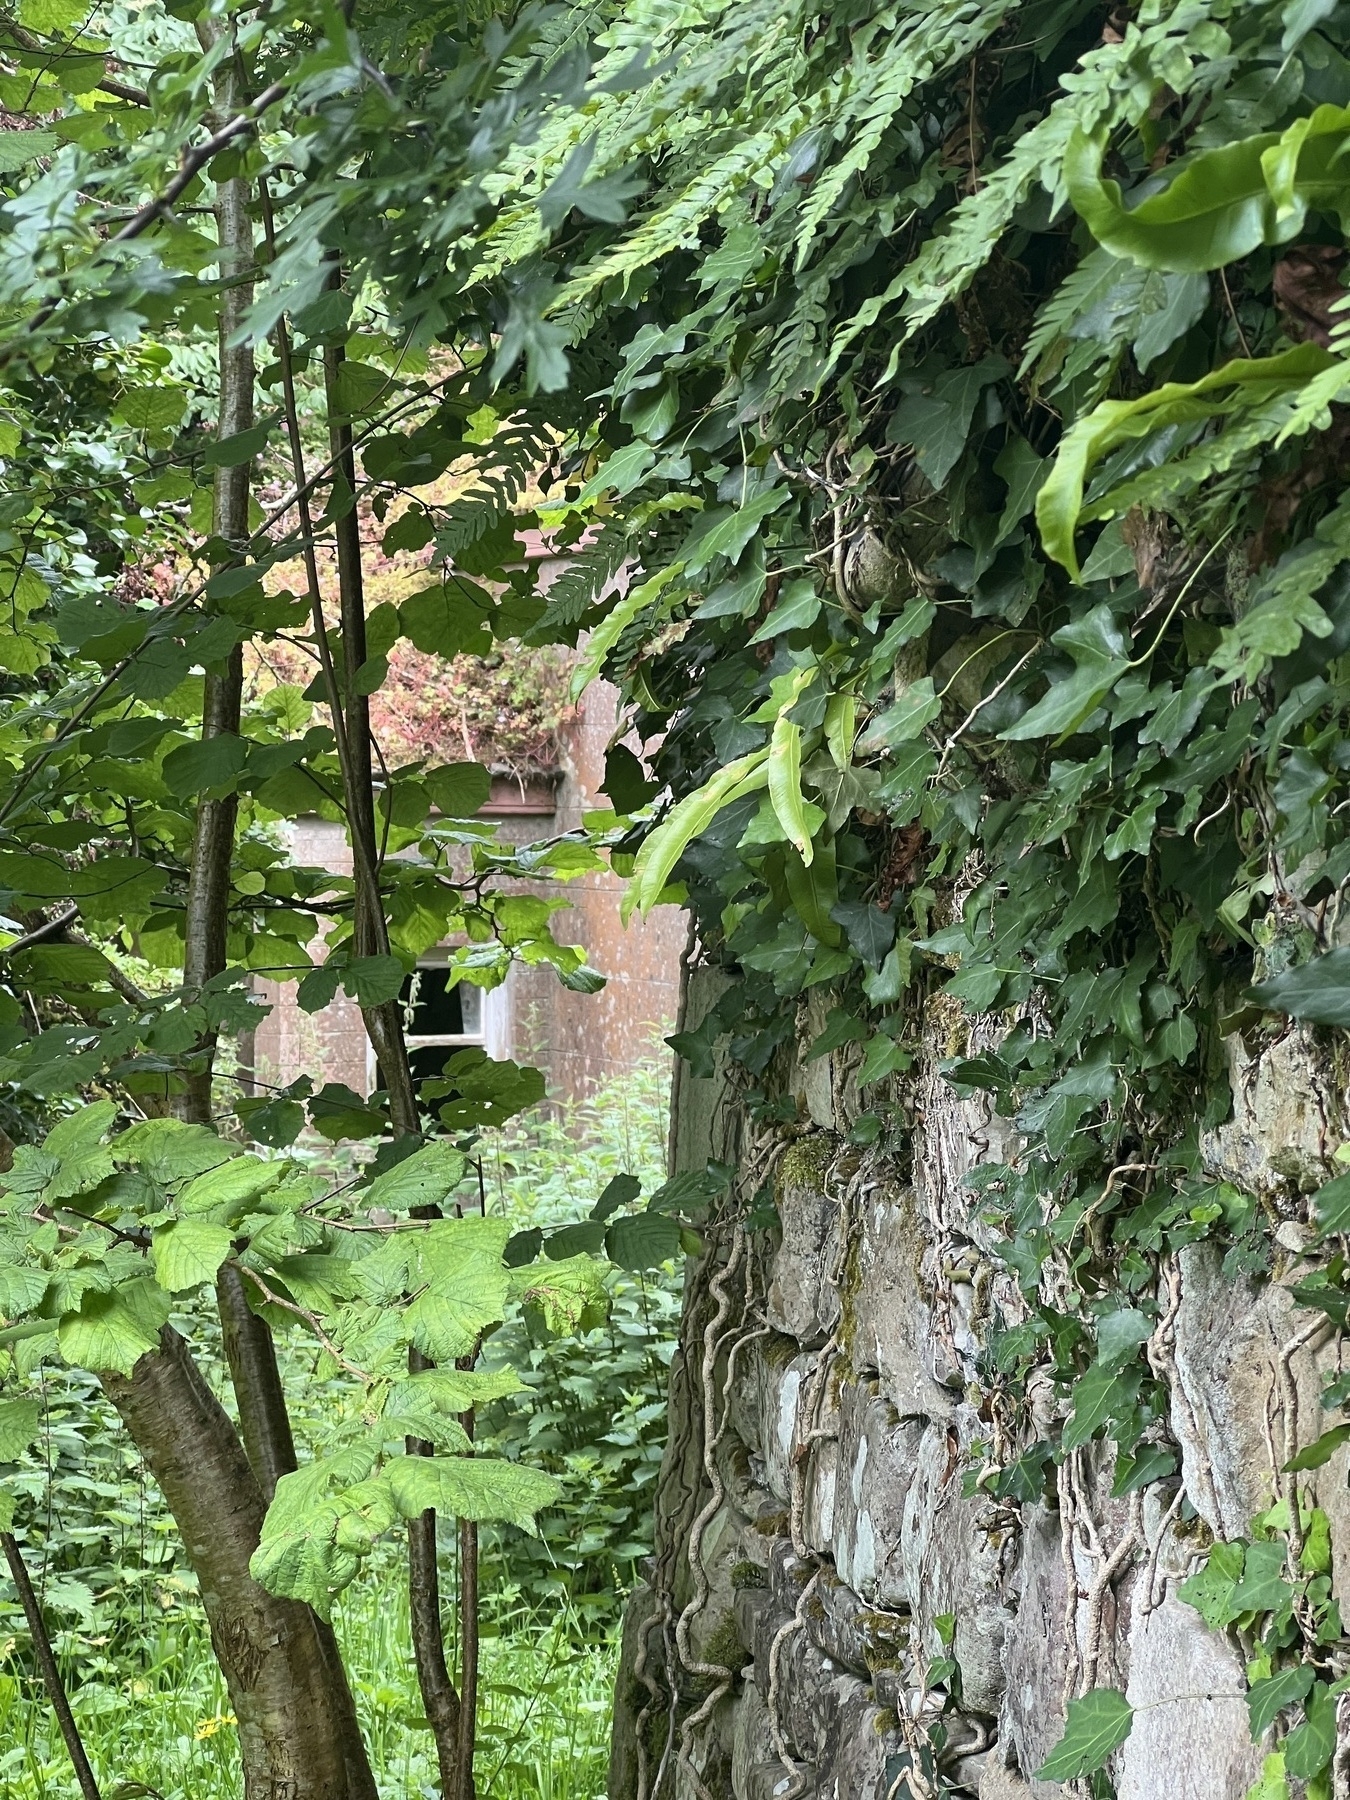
(1097, 1724)
(188, 1252)
(1263, 1588)
(934, 419)
(1267, 1699)
(1099, 1397)
(1119, 1335)
(1318, 991)
(20, 1422)
(1098, 650)
(1211, 1589)
(1150, 1463)
(726, 530)
(798, 606)
(868, 930)
(1310, 1746)
(1272, 1784)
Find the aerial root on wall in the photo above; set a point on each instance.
(720, 1339)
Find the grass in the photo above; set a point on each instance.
(164, 1728)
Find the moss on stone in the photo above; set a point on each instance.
(804, 1163)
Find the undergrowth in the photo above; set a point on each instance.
(159, 1724)
(121, 1602)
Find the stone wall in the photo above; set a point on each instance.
(824, 1551)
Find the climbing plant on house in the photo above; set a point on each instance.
(969, 411)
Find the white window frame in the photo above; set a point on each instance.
(493, 1034)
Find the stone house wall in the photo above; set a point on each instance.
(821, 1538)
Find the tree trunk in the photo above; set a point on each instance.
(370, 936)
(280, 1685)
(208, 895)
(270, 1447)
(452, 1718)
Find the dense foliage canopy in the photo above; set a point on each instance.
(942, 406)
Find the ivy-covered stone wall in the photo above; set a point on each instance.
(839, 1605)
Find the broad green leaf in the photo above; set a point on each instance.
(213, 765)
(567, 1294)
(374, 980)
(170, 1150)
(1211, 1589)
(426, 1178)
(187, 1252)
(19, 148)
(458, 789)
(1318, 991)
(841, 729)
(642, 1241)
(470, 1487)
(21, 1289)
(20, 1422)
(105, 1334)
(230, 1185)
(302, 1561)
(935, 417)
(76, 1143)
(448, 1319)
(448, 1391)
(1097, 1724)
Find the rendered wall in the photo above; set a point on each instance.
(816, 1524)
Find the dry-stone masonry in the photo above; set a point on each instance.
(825, 1554)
